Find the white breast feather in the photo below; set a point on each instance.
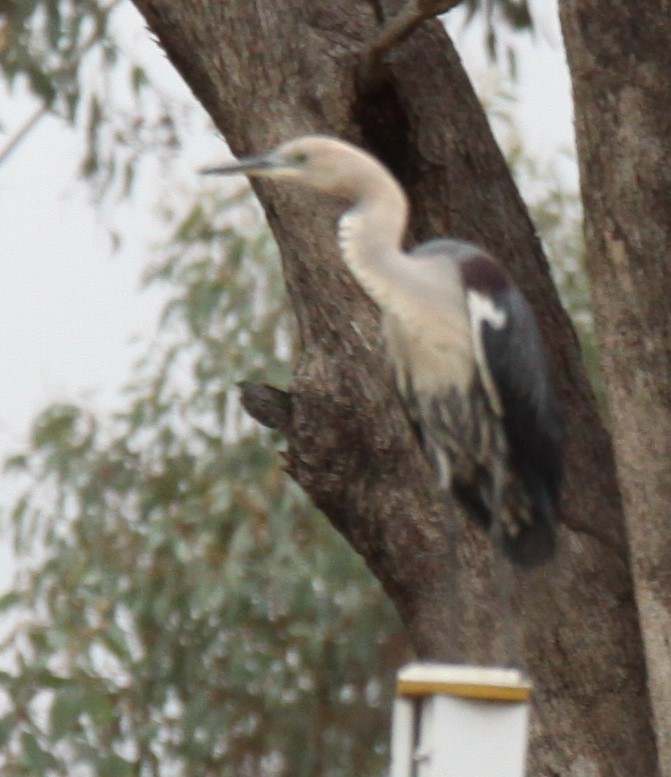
(357, 255)
(481, 309)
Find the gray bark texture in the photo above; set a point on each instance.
(269, 70)
(620, 58)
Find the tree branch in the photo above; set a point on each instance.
(21, 134)
(394, 32)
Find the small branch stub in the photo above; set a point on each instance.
(268, 405)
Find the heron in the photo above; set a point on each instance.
(468, 358)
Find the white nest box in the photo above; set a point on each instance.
(459, 721)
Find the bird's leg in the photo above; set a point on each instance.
(394, 32)
(503, 576)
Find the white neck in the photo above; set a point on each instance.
(370, 236)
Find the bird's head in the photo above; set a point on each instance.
(317, 161)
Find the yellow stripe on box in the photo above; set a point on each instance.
(466, 690)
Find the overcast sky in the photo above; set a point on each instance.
(70, 306)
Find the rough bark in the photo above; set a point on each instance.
(620, 58)
(270, 70)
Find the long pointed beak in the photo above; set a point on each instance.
(252, 165)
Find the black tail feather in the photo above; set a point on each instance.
(534, 543)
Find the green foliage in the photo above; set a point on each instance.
(557, 213)
(190, 613)
(67, 57)
(556, 210)
(45, 42)
(500, 15)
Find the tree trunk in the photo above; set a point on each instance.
(268, 71)
(620, 57)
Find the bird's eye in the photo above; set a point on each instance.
(299, 158)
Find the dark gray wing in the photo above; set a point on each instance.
(515, 365)
(516, 358)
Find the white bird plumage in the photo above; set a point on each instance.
(469, 362)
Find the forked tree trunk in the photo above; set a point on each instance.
(274, 69)
(620, 57)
